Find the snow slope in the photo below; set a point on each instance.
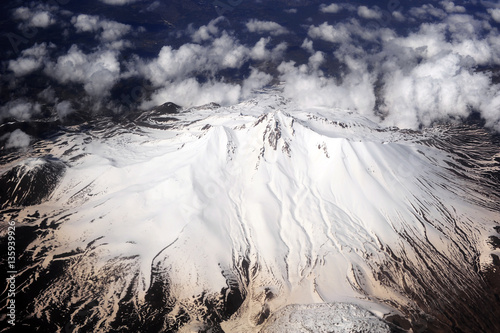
(234, 218)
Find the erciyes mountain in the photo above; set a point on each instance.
(250, 166)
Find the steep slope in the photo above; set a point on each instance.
(231, 218)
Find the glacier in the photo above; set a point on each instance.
(258, 217)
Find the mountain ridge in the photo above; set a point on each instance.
(224, 216)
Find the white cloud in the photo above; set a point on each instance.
(307, 45)
(316, 60)
(259, 51)
(222, 53)
(206, 32)
(369, 14)
(17, 139)
(291, 11)
(450, 7)
(30, 60)
(109, 30)
(98, 71)
(34, 17)
(190, 92)
(333, 8)
(344, 32)
(256, 80)
(172, 72)
(48, 94)
(260, 27)
(398, 16)
(438, 89)
(495, 14)
(63, 109)
(337, 34)
(426, 76)
(426, 11)
(20, 109)
(309, 87)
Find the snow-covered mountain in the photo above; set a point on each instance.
(258, 217)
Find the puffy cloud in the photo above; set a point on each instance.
(495, 14)
(190, 58)
(98, 71)
(398, 16)
(344, 32)
(266, 26)
(20, 109)
(173, 72)
(450, 7)
(224, 52)
(259, 51)
(369, 14)
(34, 17)
(109, 30)
(206, 32)
(427, 11)
(333, 8)
(17, 139)
(30, 60)
(309, 87)
(307, 45)
(440, 88)
(316, 60)
(63, 109)
(48, 94)
(190, 92)
(255, 81)
(337, 34)
(426, 76)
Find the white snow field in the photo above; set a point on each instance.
(322, 221)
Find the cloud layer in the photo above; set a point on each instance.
(439, 69)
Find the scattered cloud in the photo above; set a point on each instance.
(98, 71)
(291, 11)
(110, 31)
(172, 72)
(428, 75)
(450, 7)
(17, 139)
(495, 14)
(307, 45)
(440, 88)
(37, 17)
(63, 109)
(426, 12)
(309, 87)
(30, 60)
(224, 52)
(425, 75)
(205, 32)
(19, 109)
(261, 27)
(369, 14)
(333, 8)
(398, 16)
(334, 34)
